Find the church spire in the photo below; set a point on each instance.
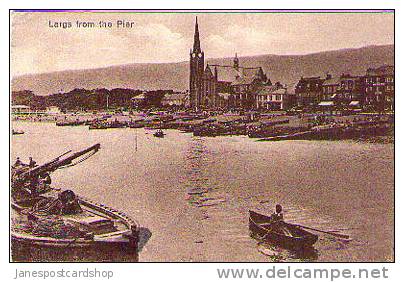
(197, 44)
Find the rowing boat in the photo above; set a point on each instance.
(280, 233)
(17, 132)
(159, 133)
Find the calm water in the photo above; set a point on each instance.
(340, 186)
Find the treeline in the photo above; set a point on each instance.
(84, 99)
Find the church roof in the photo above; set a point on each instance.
(331, 81)
(175, 96)
(236, 76)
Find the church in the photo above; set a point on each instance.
(222, 86)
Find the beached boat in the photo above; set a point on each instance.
(292, 136)
(17, 132)
(280, 233)
(96, 233)
(98, 126)
(52, 225)
(136, 124)
(70, 123)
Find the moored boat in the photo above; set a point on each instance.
(159, 133)
(52, 225)
(96, 233)
(17, 132)
(280, 233)
(70, 123)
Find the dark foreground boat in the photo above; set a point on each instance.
(280, 233)
(52, 225)
(97, 233)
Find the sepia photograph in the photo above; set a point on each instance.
(202, 136)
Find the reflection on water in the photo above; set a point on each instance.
(194, 193)
(144, 236)
(195, 161)
(278, 254)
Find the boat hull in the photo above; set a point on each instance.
(25, 250)
(259, 229)
(119, 246)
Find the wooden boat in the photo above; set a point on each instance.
(280, 233)
(292, 136)
(70, 123)
(105, 235)
(48, 225)
(136, 125)
(159, 133)
(98, 126)
(17, 132)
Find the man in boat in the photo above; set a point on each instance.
(32, 163)
(277, 215)
(18, 163)
(65, 203)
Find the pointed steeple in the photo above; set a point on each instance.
(197, 44)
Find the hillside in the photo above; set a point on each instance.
(286, 69)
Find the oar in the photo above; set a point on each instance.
(322, 231)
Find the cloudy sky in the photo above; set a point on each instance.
(38, 46)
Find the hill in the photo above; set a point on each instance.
(284, 68)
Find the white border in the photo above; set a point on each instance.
(185, 272)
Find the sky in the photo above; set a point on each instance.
(38, 45)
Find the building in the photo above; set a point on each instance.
(343, 91)
(379, 89)
(20, 109)
(274, 97)
(330, 87)
(138, 100)
(222, 86)
(196, 66)
(53, 110)
(309, 91)
(179, 100)
(350, 90)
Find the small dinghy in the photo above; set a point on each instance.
(280, 233)
(159, 133)
(17, 132)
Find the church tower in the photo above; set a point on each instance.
(236, 63)
(196, 67)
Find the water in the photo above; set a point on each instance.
(194, 193)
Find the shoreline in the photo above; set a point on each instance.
(266, 127)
